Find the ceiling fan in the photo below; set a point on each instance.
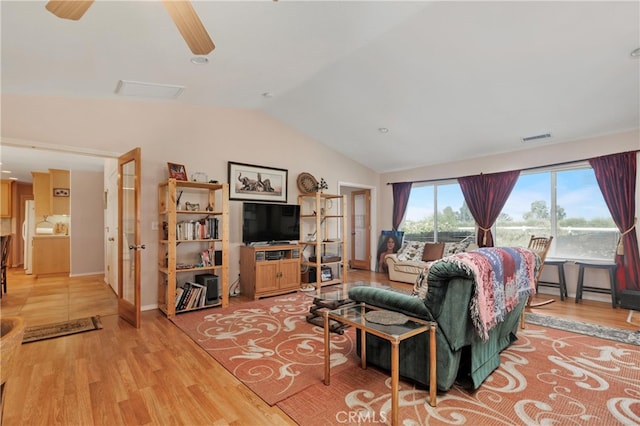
(182, 13)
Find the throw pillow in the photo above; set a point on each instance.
(455, 248)
(432, 251)
(411, 251)
(421, 287)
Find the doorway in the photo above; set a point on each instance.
(23, 158)
(360, 224)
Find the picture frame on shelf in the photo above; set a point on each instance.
(177, 171)
(61, 192)
(326, 274)
(257, 183)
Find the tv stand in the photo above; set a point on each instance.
(269, 270)
(271, 243)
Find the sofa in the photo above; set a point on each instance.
(414, 256)
(461, 289)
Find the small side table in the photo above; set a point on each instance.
(561, 284)
(355, 316)
(611, 267)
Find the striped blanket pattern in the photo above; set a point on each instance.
(503, 276)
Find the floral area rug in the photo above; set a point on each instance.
(548, 376)
(610, 333)
(268, 344)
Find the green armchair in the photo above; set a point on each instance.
(461, 351)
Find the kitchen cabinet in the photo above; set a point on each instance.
(60, 182)
(51, 192)
(50, 255)
(42, 193)
(5, 197)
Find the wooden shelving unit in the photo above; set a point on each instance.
(185, 232)
(323, 230)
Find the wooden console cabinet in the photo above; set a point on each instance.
(269, 270)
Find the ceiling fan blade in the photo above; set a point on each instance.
(190, 26)
(69, 9)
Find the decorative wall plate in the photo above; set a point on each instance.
(307, 184)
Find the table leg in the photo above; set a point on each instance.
(433, 382)
(363, 348)
(327, 355)
(395, 348)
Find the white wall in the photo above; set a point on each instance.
(202, 138)
(87, 223)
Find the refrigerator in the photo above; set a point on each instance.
(28, 229)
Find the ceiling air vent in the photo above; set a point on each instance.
(148, 90)
(536, 138)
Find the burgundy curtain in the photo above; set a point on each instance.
(486, 195)
(401, 193)
(616, 175)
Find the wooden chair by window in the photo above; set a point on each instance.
(539, 245)
(6, 243)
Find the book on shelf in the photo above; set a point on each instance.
(193, 296)
(186, 289)
(198, 229)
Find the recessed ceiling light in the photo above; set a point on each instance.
(635, 53)
(383, 130)
(7, 172)
(200, 60)
(13, 178)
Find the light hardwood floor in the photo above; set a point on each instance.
(153, 375)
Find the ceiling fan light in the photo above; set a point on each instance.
(199, 60)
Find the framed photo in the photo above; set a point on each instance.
(61, 192)
(177, 171)
(256, 183)
(326, 275)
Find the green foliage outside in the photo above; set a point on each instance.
(575, 237)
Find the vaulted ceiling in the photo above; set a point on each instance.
(447, 80)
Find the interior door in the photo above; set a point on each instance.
(111, 230)
(361, 229)
(129, 237)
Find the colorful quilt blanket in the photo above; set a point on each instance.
(503, 277)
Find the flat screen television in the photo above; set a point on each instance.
(270, 223)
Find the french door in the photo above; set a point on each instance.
(361, 229)
(129, 237)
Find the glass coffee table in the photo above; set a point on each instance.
(391, 326)
(333, 297)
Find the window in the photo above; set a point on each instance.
(526, 212)
(566, 203)
(453, 221)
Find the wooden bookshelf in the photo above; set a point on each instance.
(193, 226)
(323, 230)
